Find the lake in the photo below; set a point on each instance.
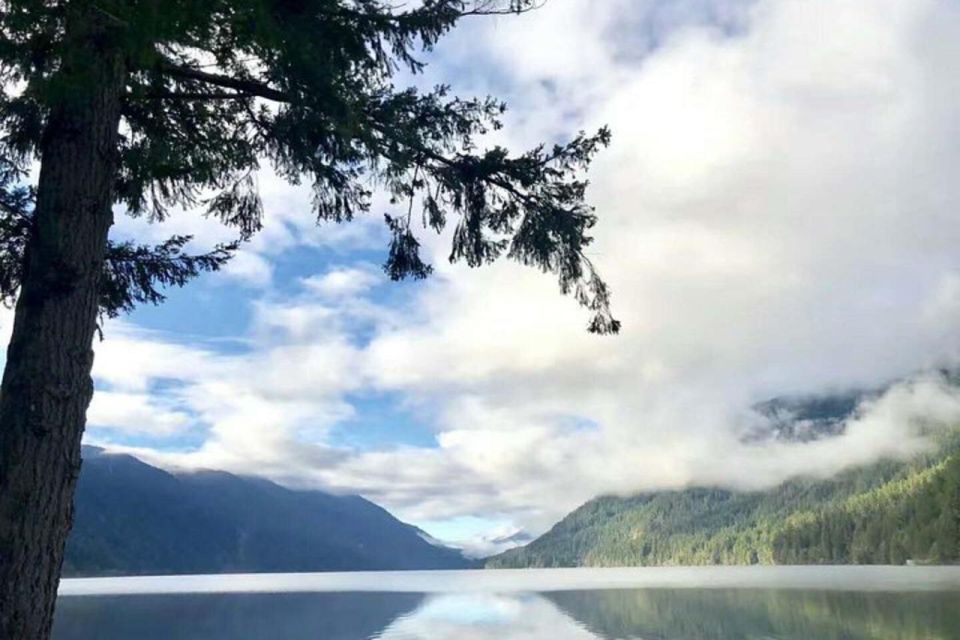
(716, 603)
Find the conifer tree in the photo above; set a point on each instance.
(161, 104)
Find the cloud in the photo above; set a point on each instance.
(135, 413)
(767, 225)
(289, 222)
(482, 617)
(249, 268)
(344, 281)
(777, 216)
(494, 538)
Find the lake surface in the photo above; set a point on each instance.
(757, 603)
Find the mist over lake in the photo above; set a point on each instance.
(783, 603)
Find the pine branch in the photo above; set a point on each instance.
(551, 233)
(249, 87)
(481, 8)
(188, 95)
(136, 274)
(262, 90)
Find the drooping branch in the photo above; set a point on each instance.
(532, 204)
(263, 90)
(338, 119)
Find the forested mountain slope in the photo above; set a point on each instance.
(132, 518)
(887, 513)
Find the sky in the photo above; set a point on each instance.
(778, 216)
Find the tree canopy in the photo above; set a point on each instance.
(215, 88)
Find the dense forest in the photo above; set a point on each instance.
(887, 513)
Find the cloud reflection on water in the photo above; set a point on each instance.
(486, 617)
(779, 603)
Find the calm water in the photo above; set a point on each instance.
(822, 603)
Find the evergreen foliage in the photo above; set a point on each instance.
(215, 88)
(886, 513)
(132, 274)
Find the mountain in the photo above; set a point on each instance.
(886, 513)
(132, 518)
(807, 418)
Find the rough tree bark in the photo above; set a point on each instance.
(46, 383)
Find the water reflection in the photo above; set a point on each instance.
(647, 614)
(324, 616)
(487, 617)
(769, 614)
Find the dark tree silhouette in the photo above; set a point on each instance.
(155, 104)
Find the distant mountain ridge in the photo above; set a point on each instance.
(886, 513)
(804, 418)
(133, 518)
(807, 418)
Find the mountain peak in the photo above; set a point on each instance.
(133, 518)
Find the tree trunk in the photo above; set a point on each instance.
(46, 383)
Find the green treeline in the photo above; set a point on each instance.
(887, 513)
(915, 517)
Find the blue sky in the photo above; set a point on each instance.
(218, 313)
(777, 215)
